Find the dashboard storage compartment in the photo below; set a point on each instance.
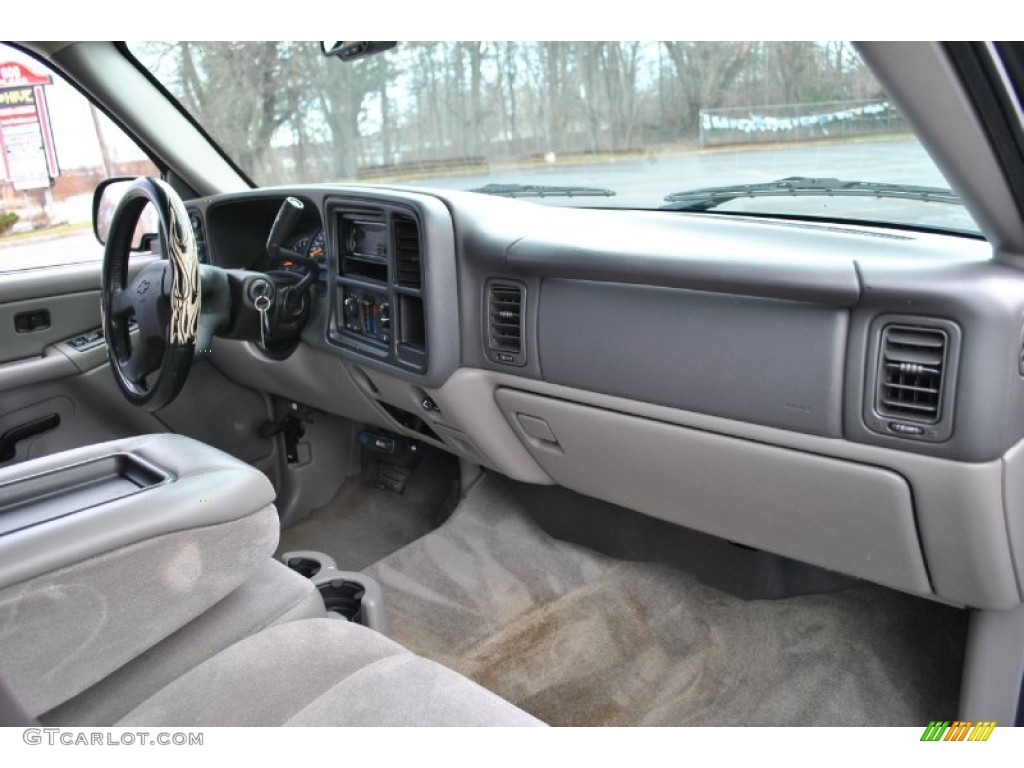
(50, 495)
(837, 514)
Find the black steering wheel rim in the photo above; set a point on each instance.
(164, 298)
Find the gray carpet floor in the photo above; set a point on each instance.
(577, 638)
(362, 524)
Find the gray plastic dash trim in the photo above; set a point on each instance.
(779, 363)
(994, 666)
(604, 252)
(1013, 498)
(847, 517)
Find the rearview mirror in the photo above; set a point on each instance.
(357, 49)
(104, 202)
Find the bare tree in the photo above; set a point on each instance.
(705, 72)
(286, 112)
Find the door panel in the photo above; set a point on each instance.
(42, 375)
(90, 407)
(65, 316)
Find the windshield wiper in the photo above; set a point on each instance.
(801, 186)
(539, 190)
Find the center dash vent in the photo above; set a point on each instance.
(408, 263)
(911, 372)
(505, 312)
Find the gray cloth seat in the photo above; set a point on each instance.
(109, 606)
(322, 672)
(273, 594)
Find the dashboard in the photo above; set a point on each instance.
(848, 396)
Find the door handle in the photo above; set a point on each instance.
(35, 320)
(14, 435)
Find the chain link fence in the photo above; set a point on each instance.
(799, 122)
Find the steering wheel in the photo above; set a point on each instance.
(164, 298)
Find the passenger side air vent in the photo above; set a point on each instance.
(408, 265)
(506, 303)
(910, 379)
(914, 371)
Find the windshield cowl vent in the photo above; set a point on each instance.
(506, 302)
(408, 262)
(912, 367)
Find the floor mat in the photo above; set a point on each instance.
(577, 638)
(363, 524)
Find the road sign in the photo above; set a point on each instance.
(26, 137)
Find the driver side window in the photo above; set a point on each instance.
(55, 147)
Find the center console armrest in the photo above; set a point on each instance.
(60, 509)
(108, 549)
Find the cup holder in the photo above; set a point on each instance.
(347, 595)
(304, 566)
(308, 563)
(344, 598)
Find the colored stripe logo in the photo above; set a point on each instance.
(958, 730)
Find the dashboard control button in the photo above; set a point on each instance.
(905, 429)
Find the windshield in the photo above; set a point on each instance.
(597, 124)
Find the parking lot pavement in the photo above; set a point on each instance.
(646, 181)
(49, 251)
(643, 183)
